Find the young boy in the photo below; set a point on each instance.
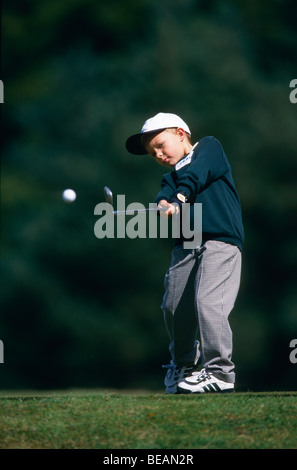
(202, 283)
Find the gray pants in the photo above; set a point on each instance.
(201, 289)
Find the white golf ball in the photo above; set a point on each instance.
(69, 195)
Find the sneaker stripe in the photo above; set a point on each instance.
(216, 387)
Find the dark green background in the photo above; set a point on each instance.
(79, 77)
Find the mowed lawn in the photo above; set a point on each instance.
(139, 420)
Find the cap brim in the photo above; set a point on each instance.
(134, 145)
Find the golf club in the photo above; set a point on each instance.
(109, 198)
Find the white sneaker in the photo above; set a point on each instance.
(175, 375)
(203, 382)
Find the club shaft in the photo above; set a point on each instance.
(133, 212)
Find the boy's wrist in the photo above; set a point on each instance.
(179, 198)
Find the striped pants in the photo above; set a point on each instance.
(201, 287)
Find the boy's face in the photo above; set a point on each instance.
(167, 147)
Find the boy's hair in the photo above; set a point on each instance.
(173, 129)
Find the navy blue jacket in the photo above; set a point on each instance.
(205, 176)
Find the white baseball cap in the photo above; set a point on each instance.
(157, 123)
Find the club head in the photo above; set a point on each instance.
(108, 195)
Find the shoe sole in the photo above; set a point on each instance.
(182, 391)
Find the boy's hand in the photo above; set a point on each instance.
(167, 209)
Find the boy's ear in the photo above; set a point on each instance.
(181, 133)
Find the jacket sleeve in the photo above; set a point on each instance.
(210, 164)
(168, 188)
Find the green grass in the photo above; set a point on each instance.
(115, 420)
